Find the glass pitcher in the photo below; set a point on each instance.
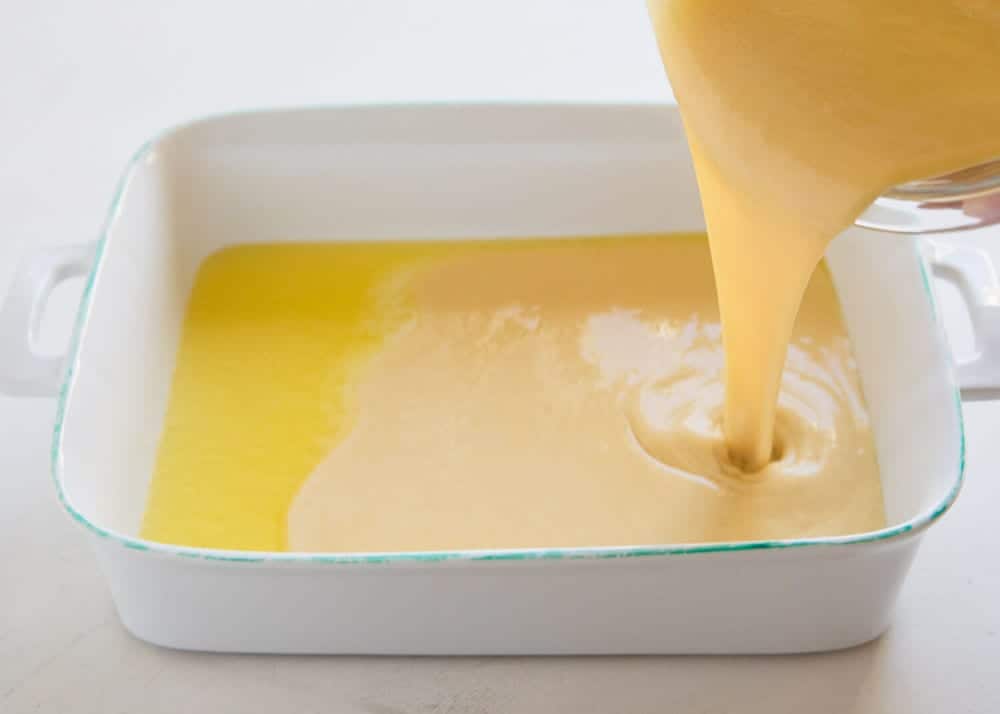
(958, 201)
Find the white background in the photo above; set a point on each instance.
(82, 85)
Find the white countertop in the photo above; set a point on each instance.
(84, 84)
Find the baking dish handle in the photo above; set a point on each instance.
(971, 270)
(23, 371)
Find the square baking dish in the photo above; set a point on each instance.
(451, 172)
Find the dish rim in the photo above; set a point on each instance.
(909, 527)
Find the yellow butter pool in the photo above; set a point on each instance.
(494, 394)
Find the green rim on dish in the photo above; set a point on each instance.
(236, 556)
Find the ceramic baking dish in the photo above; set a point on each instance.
(465, 171)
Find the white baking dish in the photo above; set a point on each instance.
(460, 171)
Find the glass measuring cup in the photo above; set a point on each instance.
(957, 201)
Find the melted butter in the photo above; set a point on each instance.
(272, 340)
(799, 113)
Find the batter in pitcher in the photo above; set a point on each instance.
(799, 113)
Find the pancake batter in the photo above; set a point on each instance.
(569, 393)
